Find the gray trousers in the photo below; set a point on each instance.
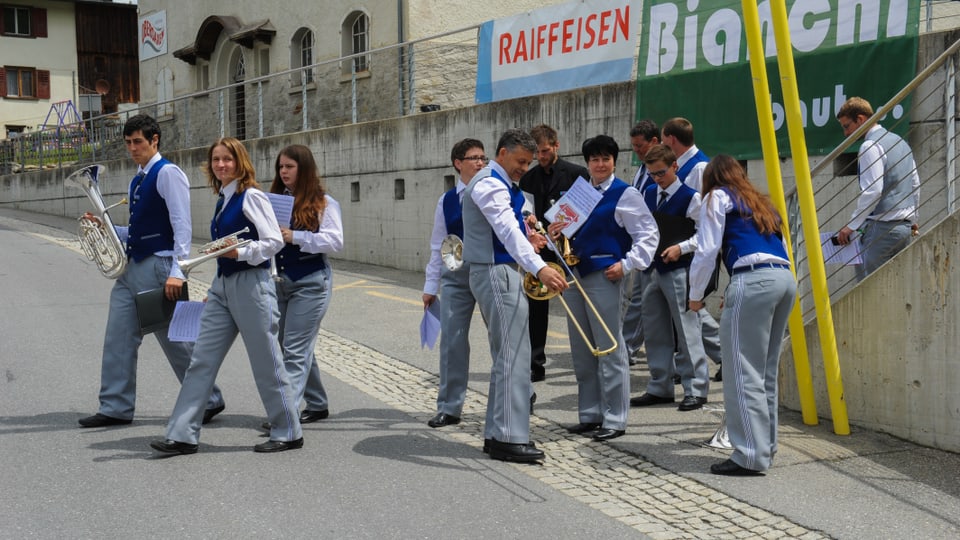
(881, 240)
(302, 306)
(665, 308)
(245, 303)
(603, 383)
(633, 285)
(756, 308)
(121, 342)
(456, 312)
(710, 334)
(499, 293)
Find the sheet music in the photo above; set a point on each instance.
(430, 325)
(282, 208)
(840, 255)
(185, 325)
(574, 206)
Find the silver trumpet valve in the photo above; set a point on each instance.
(214, 249)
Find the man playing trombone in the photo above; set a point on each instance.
(619, 236)
(159, 233)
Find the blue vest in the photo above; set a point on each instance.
(741, 237)
(684, 171)
(231, 220)
(453, 212)
(672, 230)
(297, 264)
(150, 230)
(600, 242)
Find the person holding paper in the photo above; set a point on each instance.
(456, 309)
(547, 181)
(304, 277)
(676, 208)
(618, 237)
(159, 233)
(242, 299)
(495, 242)
(886, 212)
(744, 227)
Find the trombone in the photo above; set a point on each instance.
(538, 291)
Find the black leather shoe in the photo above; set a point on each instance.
(719, 376)
(691, 403)
(729, 468)
(266, 425)
(533, 399)
(278, 446)
(486, 446)
(537, 376)
(308, 416)
(677, 380)
(102, 420)
(649, 399)
(584, 427)
(605, 434)
(443, 419)
(210, 413)
(174, 447)
(518, 453)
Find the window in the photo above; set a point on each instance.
(23, 82)
(302, 56)
(263, 62)
(22, 21)
(356, 39)
(203, 75)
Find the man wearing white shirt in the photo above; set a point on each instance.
(886, 213)
(456, 309)
(496, 245)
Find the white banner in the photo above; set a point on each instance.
(153, 35)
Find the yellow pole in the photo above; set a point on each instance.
(771, 161)
(808, 211)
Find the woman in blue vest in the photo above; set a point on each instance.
(304, 277)
(242, 299)
(743, 226)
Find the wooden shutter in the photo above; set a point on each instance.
(38, 22)
(43, 84)
(3, 82)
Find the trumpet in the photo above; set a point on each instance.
(214, 249)
(99, 239)
(536, 290)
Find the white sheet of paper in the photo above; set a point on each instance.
(185, 325)
(848, 255)
(282, 208)
(430, 325)
(574, 206)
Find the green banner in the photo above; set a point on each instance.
(694, 64)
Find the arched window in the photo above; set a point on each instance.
(302, 55)
(356, 39)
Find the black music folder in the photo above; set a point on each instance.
(154, 311)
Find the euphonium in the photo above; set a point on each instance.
(99, 239)
(451, 252)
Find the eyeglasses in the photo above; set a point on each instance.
(658, 174)
(482, 159)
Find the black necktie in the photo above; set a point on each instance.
(663, 199)
(642, 177)
(137, 180)
(216, 212)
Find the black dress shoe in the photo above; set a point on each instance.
(102, 420)
(308, 416)
(649, 399)
(486, 446)
(443, 419)
(174, 447)
(729, 468)
(267, 426)
(691, 403)
(533, 399)
(278, 446)
(537, 376)
(515, 452)
(719, 376)
(210, 413)
(605, 434)
(584, 427)
(677, 380)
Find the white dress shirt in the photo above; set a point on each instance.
(632, 214)
(329, 237)
(873, 161)
(256, 208)
(434, 266)
(695, 178)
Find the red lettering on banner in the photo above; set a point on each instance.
(604, 27)
(151, 34)
(520, 54)
(590, 31)
(558, 37)
(553, 37)
(538, 47)
(565, 47)
(622, 23)
(505, 42)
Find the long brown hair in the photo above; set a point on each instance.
(246, 175)
(309, 191)
(724, 171)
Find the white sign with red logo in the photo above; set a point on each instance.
(574, 206)
(153, 35)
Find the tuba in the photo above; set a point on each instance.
(99, 240)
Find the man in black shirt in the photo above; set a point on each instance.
(546, 181)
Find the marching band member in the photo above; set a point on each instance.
(304, 276)
(743, 226)
(618, 236)
(242, 298)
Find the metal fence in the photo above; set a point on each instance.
(418, 76)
